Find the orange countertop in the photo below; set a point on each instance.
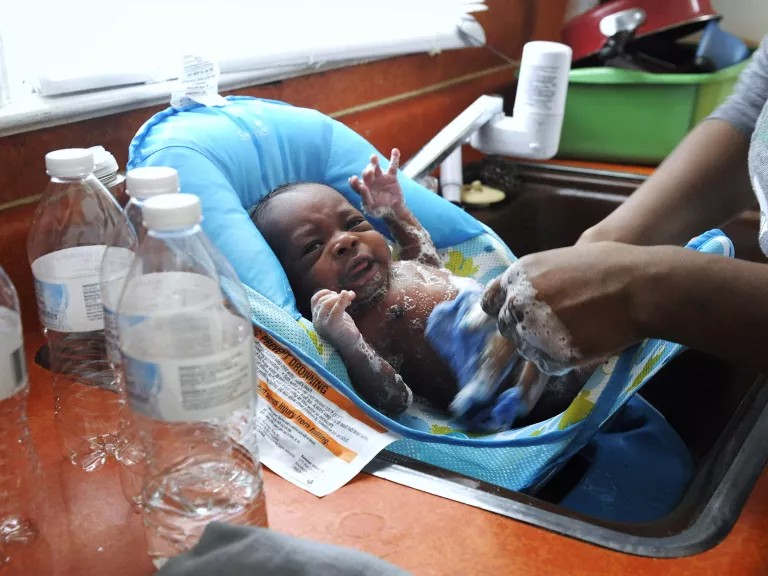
(590, 165)
(90, 529)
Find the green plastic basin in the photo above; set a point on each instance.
(629, 116)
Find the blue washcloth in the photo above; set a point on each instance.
(460, 331)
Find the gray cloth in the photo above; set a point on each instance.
(246, 551)
(758, 173)
(746, 109)
(744, 105)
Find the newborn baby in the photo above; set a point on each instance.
(375, 310)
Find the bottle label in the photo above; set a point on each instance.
(67, 289)
(167, 293)
(13, 367)
(192, 389)
(116, 264)
(159, 293)
(111, 336)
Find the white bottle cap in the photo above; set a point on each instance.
(150, 181)
(104, 162)
(69, 163)
(172, 212)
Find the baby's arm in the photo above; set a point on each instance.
(373, 378)
(383, 198)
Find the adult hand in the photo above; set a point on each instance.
(569, 306)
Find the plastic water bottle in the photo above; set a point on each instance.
(74, 221)
(186, 344)
(105, 168)
(19, 472)
(142, 183)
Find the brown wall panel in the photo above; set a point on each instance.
(410, 123)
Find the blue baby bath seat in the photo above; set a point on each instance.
(231, 156)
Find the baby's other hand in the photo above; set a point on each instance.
(331, 320)
(381, 192)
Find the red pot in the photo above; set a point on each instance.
(677, 17)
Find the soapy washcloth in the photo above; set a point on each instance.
(228, 550)
(467, 339)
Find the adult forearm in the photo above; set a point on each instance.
(710, 303)
(702, 184)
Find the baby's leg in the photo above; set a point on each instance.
(557, 394)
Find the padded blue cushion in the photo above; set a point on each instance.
(232, 156)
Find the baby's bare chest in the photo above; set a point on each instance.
(396, 325)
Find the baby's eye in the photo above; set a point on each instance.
(311, 247)
(355, 221)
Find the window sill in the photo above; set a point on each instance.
(36, 112)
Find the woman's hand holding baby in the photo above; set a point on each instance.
(380, 191)
(331, 319)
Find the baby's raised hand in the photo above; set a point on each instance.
(331, 320)
(380, 191)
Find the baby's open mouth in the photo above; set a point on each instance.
(360, 272)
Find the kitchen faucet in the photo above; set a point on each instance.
(533, 130)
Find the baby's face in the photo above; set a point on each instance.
(323, 241)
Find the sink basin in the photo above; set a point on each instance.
(718, 409)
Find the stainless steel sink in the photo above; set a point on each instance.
(718, 409)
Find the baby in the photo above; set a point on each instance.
(375, 310)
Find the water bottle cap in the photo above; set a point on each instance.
(172, 212)
(69, 163)
(150, 181)
(104, 163)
